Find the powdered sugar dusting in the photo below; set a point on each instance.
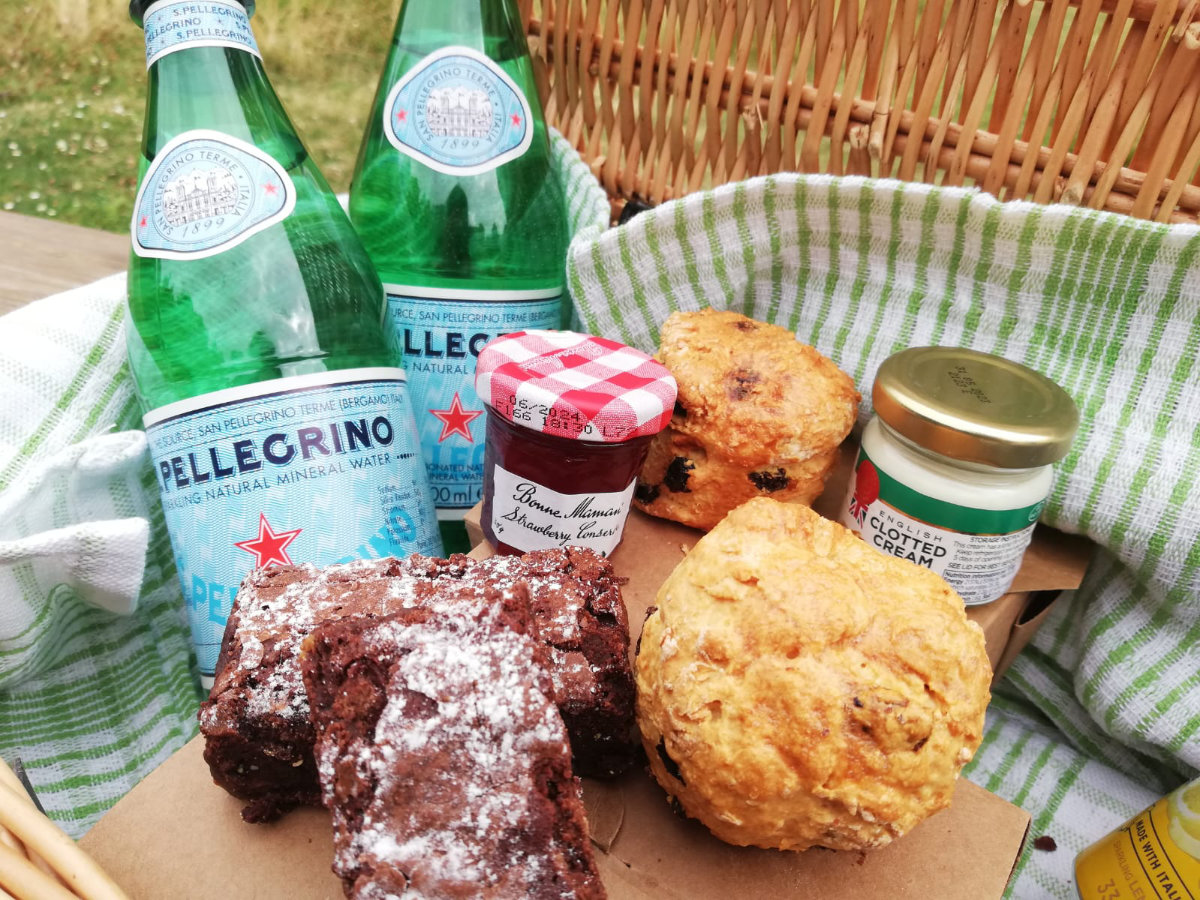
(259, 706)
(277, 609)
(455, 782)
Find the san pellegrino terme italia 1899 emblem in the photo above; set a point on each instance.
(457, 112)
(206, 192)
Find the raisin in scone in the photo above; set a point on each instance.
(758, 414)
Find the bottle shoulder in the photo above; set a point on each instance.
(218, 89)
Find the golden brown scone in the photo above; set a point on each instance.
(698, 488)
(799, 688)
(758, 414)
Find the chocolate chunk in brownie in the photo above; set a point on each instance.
(258, 737)
(444, 763)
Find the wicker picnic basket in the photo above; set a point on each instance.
(37, 859)
(1088, 102)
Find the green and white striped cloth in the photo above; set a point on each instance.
(1095, 720)
(1102, 713)
(93, 698)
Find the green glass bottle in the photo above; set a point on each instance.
(457, 203)
(280, 429)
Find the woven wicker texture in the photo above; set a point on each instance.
(1087, 102)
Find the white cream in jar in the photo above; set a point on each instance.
(956, 464)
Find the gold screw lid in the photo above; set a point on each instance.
(975, 407)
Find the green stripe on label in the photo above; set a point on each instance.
(950, 516)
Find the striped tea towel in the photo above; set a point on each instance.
(72, 514)
(97, 681)
(1107, 306)
(91, 698)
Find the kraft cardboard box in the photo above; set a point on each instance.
(178, 836)
(650, 548)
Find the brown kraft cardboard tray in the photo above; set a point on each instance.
(650, 548)
(178, 836)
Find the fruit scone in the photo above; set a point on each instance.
(798, 688)
(758, 414)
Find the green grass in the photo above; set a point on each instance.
(72, 95)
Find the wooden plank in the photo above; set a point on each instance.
(39, 257)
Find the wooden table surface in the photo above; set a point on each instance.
(39, 257)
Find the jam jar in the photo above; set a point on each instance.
(569, 422)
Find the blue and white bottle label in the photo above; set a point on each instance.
(172, 25)
(318, 469)
(206, 192)
(459, 113)
(437, 335)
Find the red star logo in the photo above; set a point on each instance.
(402, 115)
(516, 119)
(142, 224)
(269, 547)
(456, 419)
(270, 188)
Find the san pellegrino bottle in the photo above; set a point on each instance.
(458, 206)
(280, 429)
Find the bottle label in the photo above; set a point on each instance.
(172, 25)
(459, 113)
(531, 516)
(977, 551)
(1156, 854)
(317, 469)
(206, 192)
(437, 336)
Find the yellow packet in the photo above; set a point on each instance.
(1153, 856)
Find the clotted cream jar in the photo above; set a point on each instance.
(570, 418)
(956, 464)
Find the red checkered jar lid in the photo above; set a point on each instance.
(575, 386)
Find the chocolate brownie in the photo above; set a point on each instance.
(579, 615)
(258, 736)
(444, 762)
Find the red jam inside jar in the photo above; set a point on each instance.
(570, 418)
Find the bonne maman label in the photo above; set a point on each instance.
(531, 516)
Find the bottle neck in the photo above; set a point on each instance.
(492, 27)
(173, 25)
(208, 75)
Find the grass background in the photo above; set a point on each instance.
(73, 83)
